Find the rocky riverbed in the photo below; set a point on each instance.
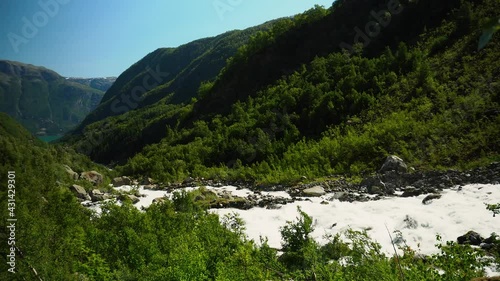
(394, 179)
(414, 206)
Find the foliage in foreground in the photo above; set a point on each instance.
(178, 239)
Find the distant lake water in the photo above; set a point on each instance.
(49, 138)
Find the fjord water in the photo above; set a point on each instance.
(49, 138)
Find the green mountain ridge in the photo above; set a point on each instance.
(174, 72)
(42, 100)
(291, 103)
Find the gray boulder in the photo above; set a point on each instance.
(119, 181)
(93, 177)
(374, 185)
(314, 191)
(188, 180)
(97, 195)
(471, 238)
(79, 192)
(393, 163)
(411, 191)
(429, 198)
(74, 175)
(133, 198)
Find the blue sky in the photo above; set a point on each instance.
(94, 38)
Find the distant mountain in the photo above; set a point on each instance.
(42, 100)
(102, 83)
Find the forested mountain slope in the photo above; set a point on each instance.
(42, 100)
(175, 73)
(292, 103)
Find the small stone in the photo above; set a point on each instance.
(429, 198)
(411, 191)
(410, 222)
(314, 191)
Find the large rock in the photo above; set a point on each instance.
(147, 181)
(471, 238)
(119, 181)
(93, 177)
(97, 195)
(79, 192)
(74, 175)
(314, 191)
(393, 163)
(375, 185)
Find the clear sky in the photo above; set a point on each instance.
(95, 38)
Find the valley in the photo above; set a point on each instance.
(359, 141)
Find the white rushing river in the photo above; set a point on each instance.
(456, 212)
